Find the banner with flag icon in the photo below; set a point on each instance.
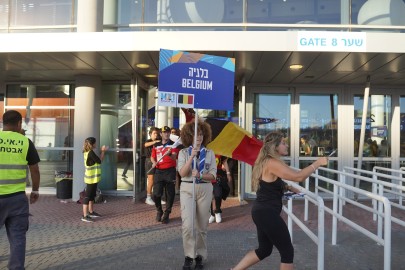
(198, 81)
(175, 100)
(185, 100)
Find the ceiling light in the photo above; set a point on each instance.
(150, 76)
(295, 67)
(142, 65)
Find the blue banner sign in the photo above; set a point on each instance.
(197, 80)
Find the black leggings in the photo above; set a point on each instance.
(218, 202)
(164, 180)
(272, 231)
(217, 192)
(91, 191)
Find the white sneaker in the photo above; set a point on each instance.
(163, 202)
(218, 218)
(212, 219)
(149, 201)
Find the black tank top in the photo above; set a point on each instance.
(270, 194)
(148, 150)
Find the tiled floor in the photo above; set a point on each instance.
(127, 237)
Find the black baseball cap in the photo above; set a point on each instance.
(166, 129)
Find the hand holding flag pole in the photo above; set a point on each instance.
(176, 143)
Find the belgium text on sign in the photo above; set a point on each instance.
(331, 41)
(198, 80)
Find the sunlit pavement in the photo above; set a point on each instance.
(127, 237)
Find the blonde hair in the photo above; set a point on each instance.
(268, 150)
(88, 144)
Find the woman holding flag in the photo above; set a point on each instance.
(268, 172)
(197, 168)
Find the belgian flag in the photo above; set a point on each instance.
(230, 140)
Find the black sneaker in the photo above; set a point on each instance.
(159, 216)
(188, 262)
(87, 219)
(165, 218)
(94, 214)
(198, 262)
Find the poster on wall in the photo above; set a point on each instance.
(193, 80)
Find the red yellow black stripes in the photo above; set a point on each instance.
(230, 140)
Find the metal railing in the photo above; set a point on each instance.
(379, 187)
(400, 181)
(339, 189)
(319, 239)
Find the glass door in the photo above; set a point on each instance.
(377, 139)
(318, 121)
(271, 112)
(140, 135)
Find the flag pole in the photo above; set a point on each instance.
(176, 143)
(194, 206)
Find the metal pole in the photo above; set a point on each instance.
(363, 130)
(194, 179)
(134, 113)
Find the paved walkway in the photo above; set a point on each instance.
(127, 237)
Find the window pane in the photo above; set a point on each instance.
(294, 11)
(4, 10)
(180, 11)
(271, 113)
(318, 124)
(377, 132)
(48, 127)
(312, 181)
(40, 95)
(41, 12)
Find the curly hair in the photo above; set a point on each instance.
(187, 133)
(268, 150)
(88, 144)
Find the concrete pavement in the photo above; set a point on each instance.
(127, 237)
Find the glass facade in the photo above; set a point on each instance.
(48, 109)
(39, 15)
(48, 117)
(377, 138)
(318, 124)
(318, 136)
(378, 126)
(271, 113)
(48, 120)
(17, 15)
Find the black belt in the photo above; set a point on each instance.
(190, 182)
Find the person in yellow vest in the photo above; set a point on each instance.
(92, 176)
(17, 152)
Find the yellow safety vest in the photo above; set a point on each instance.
(92, 173)
(13, 162)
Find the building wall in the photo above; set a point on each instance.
(41, 27)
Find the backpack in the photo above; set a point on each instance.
(98, 199)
